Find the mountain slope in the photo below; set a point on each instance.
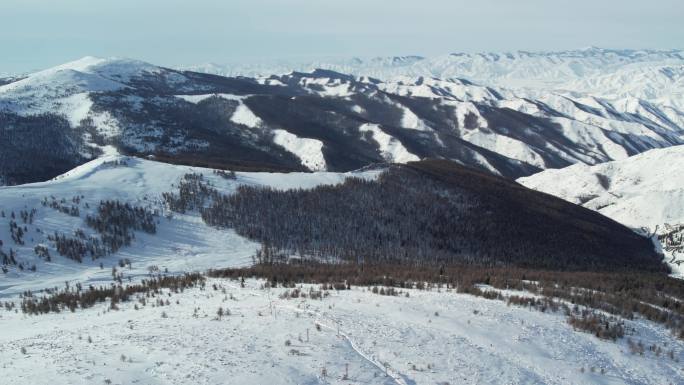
(643, 190)
(646, 190)
(321, 120)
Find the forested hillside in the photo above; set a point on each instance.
(427, 213)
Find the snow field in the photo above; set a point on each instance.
(429, 337)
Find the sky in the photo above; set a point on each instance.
(36, 34)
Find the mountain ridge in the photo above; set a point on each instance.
(317, 120)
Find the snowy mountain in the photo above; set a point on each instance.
(112, 264)
(56, 119)
(646, 190)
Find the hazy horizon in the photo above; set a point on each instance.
(35, 35)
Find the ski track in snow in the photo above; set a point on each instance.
(395, 376)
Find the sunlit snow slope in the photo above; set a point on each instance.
(645, 190)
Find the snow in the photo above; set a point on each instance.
(661, 83)
(64, 92)
(116, 69)
(650, 73)
(358, 109)
(645, 190)
(595, 123)
(430, 87)
(107, 126)
(636, 92)
(411, 121)
(309, 151)
(67, 86)
(243, 115)
(326, 86)
(182, 243)
(430, 337)
(198, 98)
(505, 145)
(485, 163)
(463, 110)
(383, 340)
(65, 89)
(391, 148)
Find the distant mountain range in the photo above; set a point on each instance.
(53, 120)
(626, 72)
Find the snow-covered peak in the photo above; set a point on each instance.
(663, 84)
(88, 74)
(321, 82)
(83, 64)
(107, 67)
(65, 89)
(533, 128)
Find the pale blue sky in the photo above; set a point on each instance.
(40, 33)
